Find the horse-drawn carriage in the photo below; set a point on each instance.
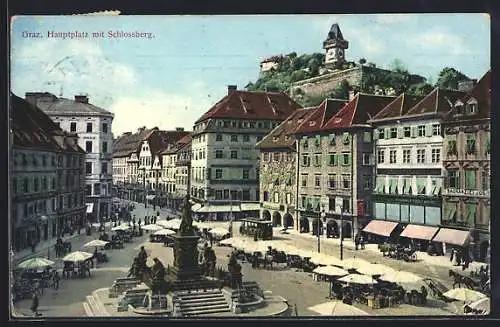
(399, 252)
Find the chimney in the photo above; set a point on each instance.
(33, 97)
(81, 98)
(231, 89)
(351, 95)
(179, 129)
(466, 86)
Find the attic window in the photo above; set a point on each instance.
(337, 120)
(471, 108)
(312, 123)
(275, 139)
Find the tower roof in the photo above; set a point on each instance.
(335, 32)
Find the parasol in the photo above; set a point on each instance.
(358, 279)
(337, 308)
(35, 263)
(77, 256)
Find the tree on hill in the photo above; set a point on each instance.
(420, 89)
(449, 78)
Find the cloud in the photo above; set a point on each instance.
(437, 40)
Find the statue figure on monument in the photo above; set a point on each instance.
(186, 227)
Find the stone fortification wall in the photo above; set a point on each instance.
(327, 83)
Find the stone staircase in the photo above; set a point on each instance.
(202, 303)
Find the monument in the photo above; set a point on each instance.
(186, 265)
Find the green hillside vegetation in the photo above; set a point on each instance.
(395, 80)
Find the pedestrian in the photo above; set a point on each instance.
(55, 280)
(356, 242)
(362, 242)
(34, 303)
(452, 254)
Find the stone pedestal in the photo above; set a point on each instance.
(185, 258)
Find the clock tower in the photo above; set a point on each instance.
(335, 47)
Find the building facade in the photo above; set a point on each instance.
(225, 165)
(46, 177)
(336, 165)
(93, 125)
(466, 159)
(409, 169)
(278, 167)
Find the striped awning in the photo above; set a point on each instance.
(452, 236)
(90, 207)
(419, 232)
(380, 227)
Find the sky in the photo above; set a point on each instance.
(174, 74)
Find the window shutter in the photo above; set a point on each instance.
(428, 130)
(414, 131)
(332, 139)
(400, 132)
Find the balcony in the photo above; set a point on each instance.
(458, 224)
(464, 192)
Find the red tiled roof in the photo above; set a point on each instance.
(437, 101)
(186, 139)
(359, 110)
(252, 105)
(282, 135)
(317, 120)
(31, 127)
(399, 107)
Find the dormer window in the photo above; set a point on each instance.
(312, 123)
(459, 108)
(471, 108)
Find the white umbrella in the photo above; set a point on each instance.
(173, 223)
(78, 256)
(330, 271)
(400, 276)
(165, 232)
(337, 308)
(464, 294)
(162, 222)
(375, 269)
(120, 228)
(219, 231)
(201, 225)
(483, 305)
(35, 263)
(358, 279)
(354, 263)
(95, 243)
(151, 227)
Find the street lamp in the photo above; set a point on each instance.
(322, 216)
(341, 233)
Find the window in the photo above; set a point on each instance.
(366, 159)
(454, 179)
(367, 137)
(44, 183)
(88, 168)
(305, 143)
(219, 154)
(303, 201)
(246, 173)
(394, 132)
(97, 188)
(317, 180)
(488, 145)
(276, 197)
(72, 127)
(407, 131)
(317, 141)
(345, 138)
(470, 179)
(226, 194)
(246, 195)
(259, 137)
(104, 127)
(332, 179)
(289, 198)
(406, 156)
(266, 156)
(317, 159)
(89, 127)
(381, 133)
(421, 130)
(332, 139)
(346, 181)
(306, 160)
(346, 160)
(234, 154)
(435, 155)
(218, 194)
(88, 190)
(346, 205)
(246, 138)
(288, 157)
(218, 174)
(367, 182)
(452, 146)
(471, 144)
(218, 137)
(234, 138)
(436, 129)
(35, 184)
(392, 156)
(485, 180)
(304, 180)
(88, 146)
(421, 156)
(104, 147)
(104, 168)
(276, 156)
(380, 156)
(470, 108)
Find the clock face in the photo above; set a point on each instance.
(340, 53)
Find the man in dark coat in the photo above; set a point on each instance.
(34, 304)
